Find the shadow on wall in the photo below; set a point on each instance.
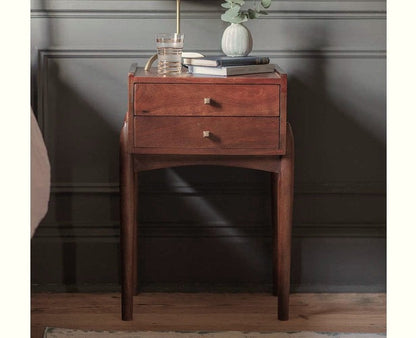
(336, 139)
(337, 112)
(47, 40)
(338, 120)
(339, 126)
(82, 145)
(205, 227)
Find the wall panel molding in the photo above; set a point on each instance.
(359, 188)
(273, 15)
(44, 55)
(338, 10)
(207, 287)
(339, 231)
(142, 55)
(68, 53)
(104, 231)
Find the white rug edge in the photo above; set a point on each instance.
(205, 334)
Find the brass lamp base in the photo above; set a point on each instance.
(184, 55)
(178, 29)
(150, 62)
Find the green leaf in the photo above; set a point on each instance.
(252, 14)
(236, 19)
(241, 18)
(238, 2)
(233, 11)
(226, 5)
(231, 19)
(266, 3)
(226, 18)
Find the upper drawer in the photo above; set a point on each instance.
(206, 99)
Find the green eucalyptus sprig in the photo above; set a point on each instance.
(235, 13)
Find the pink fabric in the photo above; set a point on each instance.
(40, 175)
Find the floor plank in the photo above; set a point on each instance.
(210, 312)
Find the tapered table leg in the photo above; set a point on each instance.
(127, 233)
(284, 226)
(274, 180)
(135, 250)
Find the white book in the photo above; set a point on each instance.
(231, 70)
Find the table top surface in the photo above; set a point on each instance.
(140, 75)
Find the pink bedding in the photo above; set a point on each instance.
(40, 175)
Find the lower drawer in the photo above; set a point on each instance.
(200, 132)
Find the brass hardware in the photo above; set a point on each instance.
(206, 133)
(150, 62)
(207, 100)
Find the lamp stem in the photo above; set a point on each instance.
(178, 30)
(178, 16)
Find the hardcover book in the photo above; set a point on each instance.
(232, 70)
(224, 61)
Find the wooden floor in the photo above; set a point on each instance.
(210, 312)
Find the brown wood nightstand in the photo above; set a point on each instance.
(200, 120)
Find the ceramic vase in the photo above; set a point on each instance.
(236, 40)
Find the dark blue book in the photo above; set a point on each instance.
(225, 61)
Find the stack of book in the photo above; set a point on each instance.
(227, 66)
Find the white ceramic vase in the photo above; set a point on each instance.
(236, 40)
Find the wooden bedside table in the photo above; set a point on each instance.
(200, 120)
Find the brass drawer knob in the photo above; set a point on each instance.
(207, 100)
(206, 133)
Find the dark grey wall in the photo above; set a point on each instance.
(210, 227)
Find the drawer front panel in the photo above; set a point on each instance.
(206, 132)
(206, 99)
